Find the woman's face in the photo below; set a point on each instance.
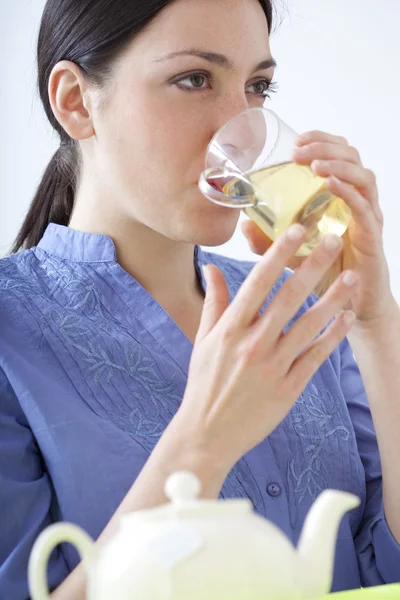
(165, 104)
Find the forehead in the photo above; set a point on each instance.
(235, 27)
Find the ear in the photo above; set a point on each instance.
(70, 100)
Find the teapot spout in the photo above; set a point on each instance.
(317, 544)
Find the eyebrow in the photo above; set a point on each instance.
(217, 59)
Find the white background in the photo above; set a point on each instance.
(338, 70)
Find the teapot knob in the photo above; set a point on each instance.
(182, 486)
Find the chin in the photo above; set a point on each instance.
(212, 241)
(215, 230)
(208, 224)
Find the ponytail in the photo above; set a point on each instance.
(54, 198)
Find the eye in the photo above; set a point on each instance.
(264, 87)
(197, 81)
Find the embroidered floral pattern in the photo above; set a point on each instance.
(314, 420)
(125, 380)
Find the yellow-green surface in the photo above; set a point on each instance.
(386, 592)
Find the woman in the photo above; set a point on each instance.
(107, 304)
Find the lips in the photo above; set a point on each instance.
(219, 181)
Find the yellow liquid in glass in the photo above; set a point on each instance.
(289, 193)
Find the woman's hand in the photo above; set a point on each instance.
(331, 157)
(245, 374)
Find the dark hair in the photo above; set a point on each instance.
(92, 34)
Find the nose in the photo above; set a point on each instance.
(227, 108)
(239, 142)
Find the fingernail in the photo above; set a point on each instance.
(318, 164)
(301, 138)
(349, 317)
(349, 278)
(296, 232)
(332, 242)
(315, 164)
(298, 153)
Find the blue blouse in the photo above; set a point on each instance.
(92, 369)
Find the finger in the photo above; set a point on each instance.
(325, 151)
(348, 172)
(216, 300)
(258, 241)
(310, 325)
(334, 272)
(362, 211)
(258, 284)
(363, 179)
(297, 288)
(307, 365)
(320, 136)
(295, 262)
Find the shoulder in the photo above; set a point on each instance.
(16, 270)
(14, 266)
(20, 282)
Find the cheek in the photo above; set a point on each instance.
(177, 139)
(172, 128)
(152, 140)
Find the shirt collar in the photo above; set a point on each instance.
(70, 244)
(79, 246)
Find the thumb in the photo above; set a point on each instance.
(216, 300)
(258, 241)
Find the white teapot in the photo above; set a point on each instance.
(202, 550)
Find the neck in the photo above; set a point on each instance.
(164, 267)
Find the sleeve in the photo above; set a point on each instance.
(377, 550)
(25, 500)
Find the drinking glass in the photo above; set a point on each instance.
(249, 166)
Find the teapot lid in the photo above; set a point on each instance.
(182, 486)
(183, 490)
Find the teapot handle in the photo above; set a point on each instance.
(43, 547)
